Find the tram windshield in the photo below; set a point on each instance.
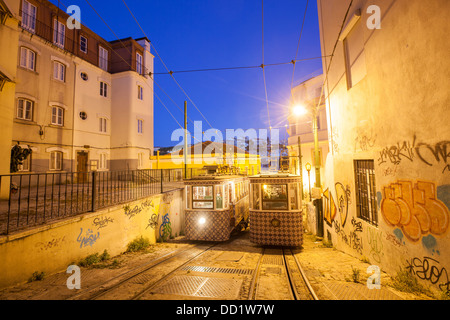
(274, 197)
(202, 197)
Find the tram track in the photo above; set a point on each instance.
(277, 274)
(117, 283)
(288, 271)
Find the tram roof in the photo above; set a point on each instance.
(275, 175)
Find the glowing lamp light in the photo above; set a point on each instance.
(308, 166)
(299, 110)
(202, 221)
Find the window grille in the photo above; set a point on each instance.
(366, 201)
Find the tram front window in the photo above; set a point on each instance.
(274, 197)
(202, 197)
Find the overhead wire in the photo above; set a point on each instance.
(296, 53)
(237, 67)
(126, 62)
(298, 45)
(262, 65)
(181, 88)
(210, 69)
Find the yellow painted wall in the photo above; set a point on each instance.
(52, 248)
(9, 38)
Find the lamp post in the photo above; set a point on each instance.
(308, 168)
(298, 111)
(302, 110)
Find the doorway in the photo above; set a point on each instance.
(82, 166)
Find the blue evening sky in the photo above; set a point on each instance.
(199, 34)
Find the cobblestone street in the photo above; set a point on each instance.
(329, 271)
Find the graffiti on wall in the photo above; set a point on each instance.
(437, 154)
(353, 239)
(431, 154)
(374, 239)
(102, 222)
(55, 242)
(153, 221)
(88, 239)
(165, 229)
(364, 140)
(329, 211)
(429, 269)
(343, 200)
(398, 152)
(414, 208)
(130, 212)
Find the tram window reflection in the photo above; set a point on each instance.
(293, 194)
(202, 197)
(255, 196)
(219, 197)
(274, 197)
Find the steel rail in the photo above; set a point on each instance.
(253, 285)
(305, 278)
(130, 274)
(165, 277)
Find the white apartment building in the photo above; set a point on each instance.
(81, 103)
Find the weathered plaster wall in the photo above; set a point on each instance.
(398, 116)
(52, 248)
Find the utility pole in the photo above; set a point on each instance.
(300, 157)
(300, 163)
(316, 149)
(185, 140)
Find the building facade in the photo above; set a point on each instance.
(386, 194)
(81, 103)
(307, 94)
(9, 37)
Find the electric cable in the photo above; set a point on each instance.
(181, 88)
(262, 65)
(237, 67)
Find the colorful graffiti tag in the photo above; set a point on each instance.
(329, 212)
(165, 229)
(88, 239)
(343, 199)
(414, 208)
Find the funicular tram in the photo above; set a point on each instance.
(276, 209)
(215, 205)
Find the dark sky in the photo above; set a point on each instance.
(200, 34)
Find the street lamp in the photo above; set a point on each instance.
(308, 168)
(299, 110)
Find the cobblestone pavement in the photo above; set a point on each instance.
(329, 271)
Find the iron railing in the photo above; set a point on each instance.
(40, 198)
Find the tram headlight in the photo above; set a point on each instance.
(201, 221)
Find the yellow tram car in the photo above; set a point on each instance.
(276, 210)
(215, 206)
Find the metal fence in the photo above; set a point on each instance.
(39, 198)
